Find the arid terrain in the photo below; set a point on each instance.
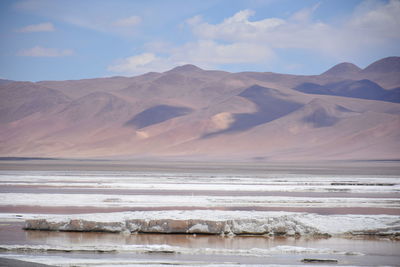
(345, 113)
(199, 133)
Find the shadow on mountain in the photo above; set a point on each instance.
(364, 89)
(320, 118)
(157, 114)
(270, 106)
(319, 113)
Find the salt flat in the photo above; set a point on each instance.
(279, 203)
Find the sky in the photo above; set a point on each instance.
(79, 39)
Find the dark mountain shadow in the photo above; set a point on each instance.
(321, 118)
(157, 114)
(270, 106)
(394, 95)
(319, 113)
(364, 89)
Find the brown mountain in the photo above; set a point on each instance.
(344, 68)
(385, 65)
(191, 113)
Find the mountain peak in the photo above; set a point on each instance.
(384, 65)
(186, 68)
(343, 68)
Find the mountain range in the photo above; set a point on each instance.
(345, 113)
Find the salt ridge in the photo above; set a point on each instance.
(221, 222)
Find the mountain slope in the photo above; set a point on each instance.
(156, 114)
(270, 105)
(191, 113)
(21, 99)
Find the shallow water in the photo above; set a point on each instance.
(376, 251)
(370, 182)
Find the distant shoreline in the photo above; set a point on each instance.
(189, 160)
(327, 167)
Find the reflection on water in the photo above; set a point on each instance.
(377, 251)
(89, 178)
(364, 245)
(12, 233)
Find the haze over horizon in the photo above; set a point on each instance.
(64, 40)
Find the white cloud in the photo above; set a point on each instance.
(41, 27)
(204, 53)
(128, 22)
(235, 28)
(39, 51)
(305, 14)
(207, 52)
(274, 32)
(377, 20)
(369, 25)
(105, 17)
(130, 64)
(240, 40)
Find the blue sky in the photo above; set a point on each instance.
(76, 39)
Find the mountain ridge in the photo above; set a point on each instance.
(188, 112)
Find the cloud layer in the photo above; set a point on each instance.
(41, 27)
(128, 22)
(39, 51)
(238, 39)
(100, 16)
(203, 53)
